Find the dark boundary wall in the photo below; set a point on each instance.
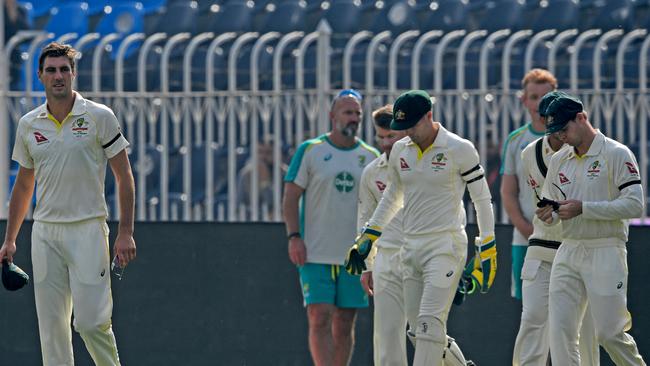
(226, 294)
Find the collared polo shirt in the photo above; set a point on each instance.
(373, 184)
(606, 179)
(511, 164)
(69, 159)
(429, 184)
(330, 176)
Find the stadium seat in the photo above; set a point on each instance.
(38, 8)
(445, 15)
(397, 17)
(70, 17)
(287, 16)
(232, 16)
(607, 15)
(501, 14)
(179, 16)
(557, 14)
(343, 16)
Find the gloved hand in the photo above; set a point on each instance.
(355, 260)
(485, 263)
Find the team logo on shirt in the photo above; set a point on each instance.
(327, 157)
(594, 170)
(439, 162)
(362, 160)
(563, 179)
(40, 139)
(344, 182)
(532, 182)
(380, 186)
(80, 127)
(403, 165)
(631, 168)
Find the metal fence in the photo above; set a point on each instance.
(213, 119)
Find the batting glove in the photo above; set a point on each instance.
(355, 262)
(485, 263)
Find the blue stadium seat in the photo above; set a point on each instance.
(398, 16)
(71, 17)
(343, 16)
(94, 6)
(287, 16)
(153, 6)
(232, 16)
(39, 8)
(179, 16)
(642, 14)
(557, 14)
(502, 14)
(445, 15)
(607, 15)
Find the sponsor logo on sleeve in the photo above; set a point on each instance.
(631, 168)
(563, 179)
(380, 186)
(40, 139)
(403, 165)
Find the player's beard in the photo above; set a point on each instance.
(349, 130)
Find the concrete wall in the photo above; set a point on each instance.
(226, 294)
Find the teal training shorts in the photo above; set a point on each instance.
(331, 284)
(518, 256)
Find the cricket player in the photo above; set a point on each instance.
(428, 173)
(63, 146)
(532, 343)
(383, 279)
(515, 193)
(597, 186)
(320, 212)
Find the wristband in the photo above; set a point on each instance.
(295, 234)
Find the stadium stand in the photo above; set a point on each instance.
(595, 47)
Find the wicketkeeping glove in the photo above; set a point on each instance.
(356, 258)
(485, 263)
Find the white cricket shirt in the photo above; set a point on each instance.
(606, 179)
(330, 177)
(69, 159)
(429, 184)
(535, 181)
(511, 164)
(373, 183)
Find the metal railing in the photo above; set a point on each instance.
(214, 147)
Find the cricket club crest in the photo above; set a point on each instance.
(80, 127)
(40, 138)
(362, 160)
(400, 115)
(594, 170)
(439, 162)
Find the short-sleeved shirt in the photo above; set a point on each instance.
(535, 178)
(429, 184)
(373, 183)
(69, 159)
(330, 176)
(511, 164)
(600, 179)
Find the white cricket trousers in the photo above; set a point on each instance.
(72, 273)
(431, 267)
(532, 343)
(389, 332)
(593, 271)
